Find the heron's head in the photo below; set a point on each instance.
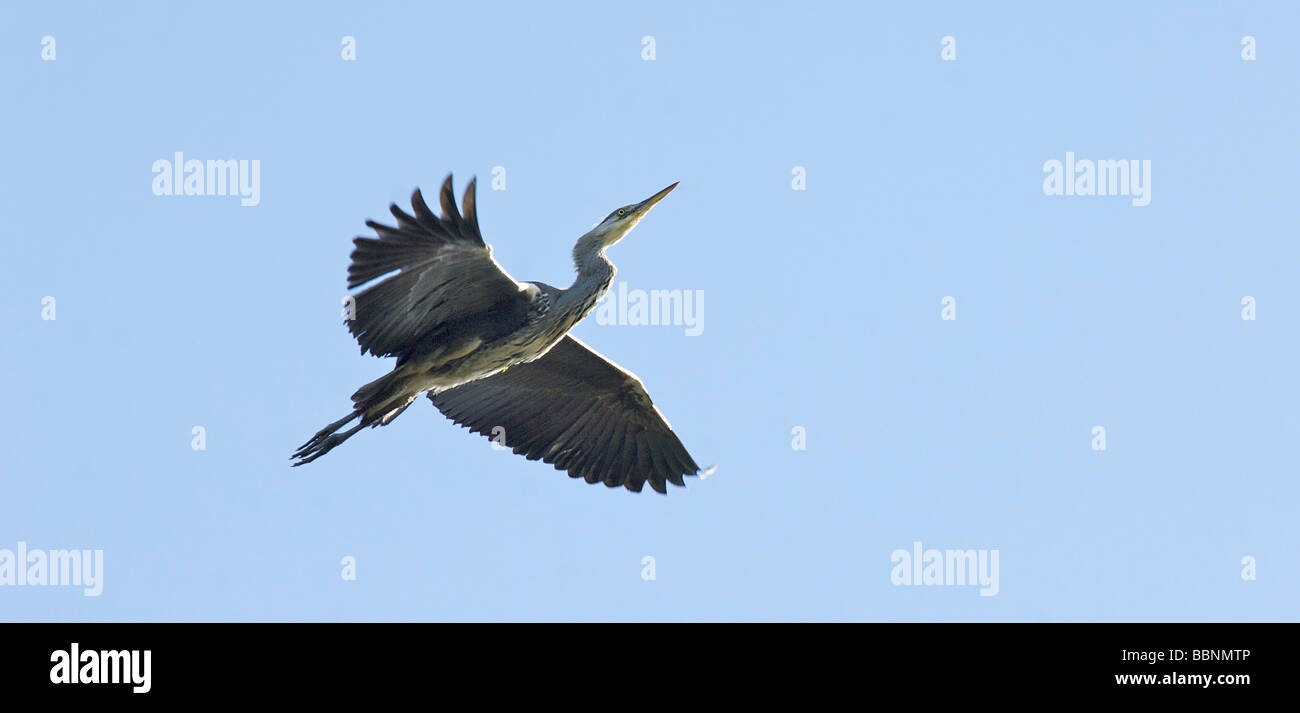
(622, 221)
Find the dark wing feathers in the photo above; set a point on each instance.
(574, 409)
(415, 237)
(446, 286)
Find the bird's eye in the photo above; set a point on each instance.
(620, 211)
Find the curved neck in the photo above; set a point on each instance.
(595, 275)
(590, 260)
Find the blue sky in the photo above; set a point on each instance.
(924, 179)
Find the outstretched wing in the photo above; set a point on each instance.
(578, 411)
(448, 286)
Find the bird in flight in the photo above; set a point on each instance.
(495, 355)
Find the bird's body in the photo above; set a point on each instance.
(549, 314)
(494, 354)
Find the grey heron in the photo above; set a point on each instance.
(495, 354)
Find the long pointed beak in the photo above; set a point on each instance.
(645, 205)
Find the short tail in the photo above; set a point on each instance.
(375, 404)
